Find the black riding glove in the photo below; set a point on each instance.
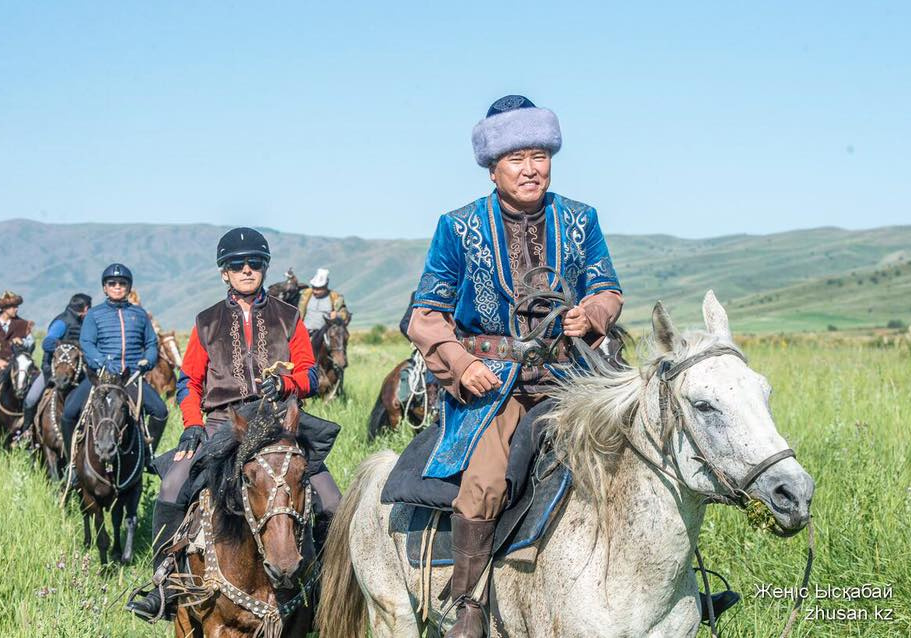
(191, 438)
(143, 366)
(273, 388)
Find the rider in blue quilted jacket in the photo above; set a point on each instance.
(117, 336)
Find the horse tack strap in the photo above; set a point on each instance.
(754, 474)
(271, 615)
(674, 370)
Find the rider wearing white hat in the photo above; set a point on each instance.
(319, 303)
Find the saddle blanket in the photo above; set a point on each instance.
(518, 527)
(536, 484)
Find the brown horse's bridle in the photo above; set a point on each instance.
(301, 518)
(69, 354)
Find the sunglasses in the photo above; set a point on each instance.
(255, 263)
(113, 283)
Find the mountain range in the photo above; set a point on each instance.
(816, 279)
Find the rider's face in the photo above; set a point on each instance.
(321, 292)
(116, 289)
(245, 281)
(522, 178)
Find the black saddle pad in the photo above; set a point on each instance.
(535, 486)
(406, 485)
(518, 527)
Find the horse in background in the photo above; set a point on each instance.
(66, 369)
(20, 374)
(163, 377)
(330, 350)
(110, 454)
(421, 398)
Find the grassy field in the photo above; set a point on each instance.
(843, 406)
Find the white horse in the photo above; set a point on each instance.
(617, 559)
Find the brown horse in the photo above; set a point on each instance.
(66, 367)
(254, 517)
(21, 372)
(330, 349)
(109, 461)
(420, 408)
(288, 290)
(163, 377)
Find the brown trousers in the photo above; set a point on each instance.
(482, 493)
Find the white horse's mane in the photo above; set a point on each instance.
(593, 413)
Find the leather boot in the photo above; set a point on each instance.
(472, 543)
(167, 517)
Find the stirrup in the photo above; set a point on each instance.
(158, 582)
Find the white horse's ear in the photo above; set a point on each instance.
(716, 319)
(666, 336)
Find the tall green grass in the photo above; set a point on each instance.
(844, 409)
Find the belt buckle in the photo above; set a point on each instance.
(529, 353)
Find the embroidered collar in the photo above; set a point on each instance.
(531, 218)
(258, 301)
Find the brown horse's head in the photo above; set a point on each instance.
(337, 341)
(260, 477)
(66, 364)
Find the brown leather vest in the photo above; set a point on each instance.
(232, 365)
(18, 329)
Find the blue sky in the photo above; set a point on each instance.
(694, 119)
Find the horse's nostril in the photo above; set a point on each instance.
(784, 496)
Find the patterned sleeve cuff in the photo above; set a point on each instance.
(435, 293)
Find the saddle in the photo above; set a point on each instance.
(537, 484)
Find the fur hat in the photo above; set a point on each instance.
(513, 123)
(320, 279)
(9, 299)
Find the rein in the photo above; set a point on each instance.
(417, 387)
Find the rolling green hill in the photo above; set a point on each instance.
(798, 280)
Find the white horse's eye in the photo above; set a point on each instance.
(704, 406)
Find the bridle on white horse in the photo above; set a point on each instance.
(671, 417)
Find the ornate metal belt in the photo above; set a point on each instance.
(534, 352)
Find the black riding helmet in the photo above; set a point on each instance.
(241, 242)
(117, 270)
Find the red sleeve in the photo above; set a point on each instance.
(192, 378)
(302, 380)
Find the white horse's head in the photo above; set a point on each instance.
(725, 406)
(20, 373)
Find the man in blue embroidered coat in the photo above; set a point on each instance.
(472, 278)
